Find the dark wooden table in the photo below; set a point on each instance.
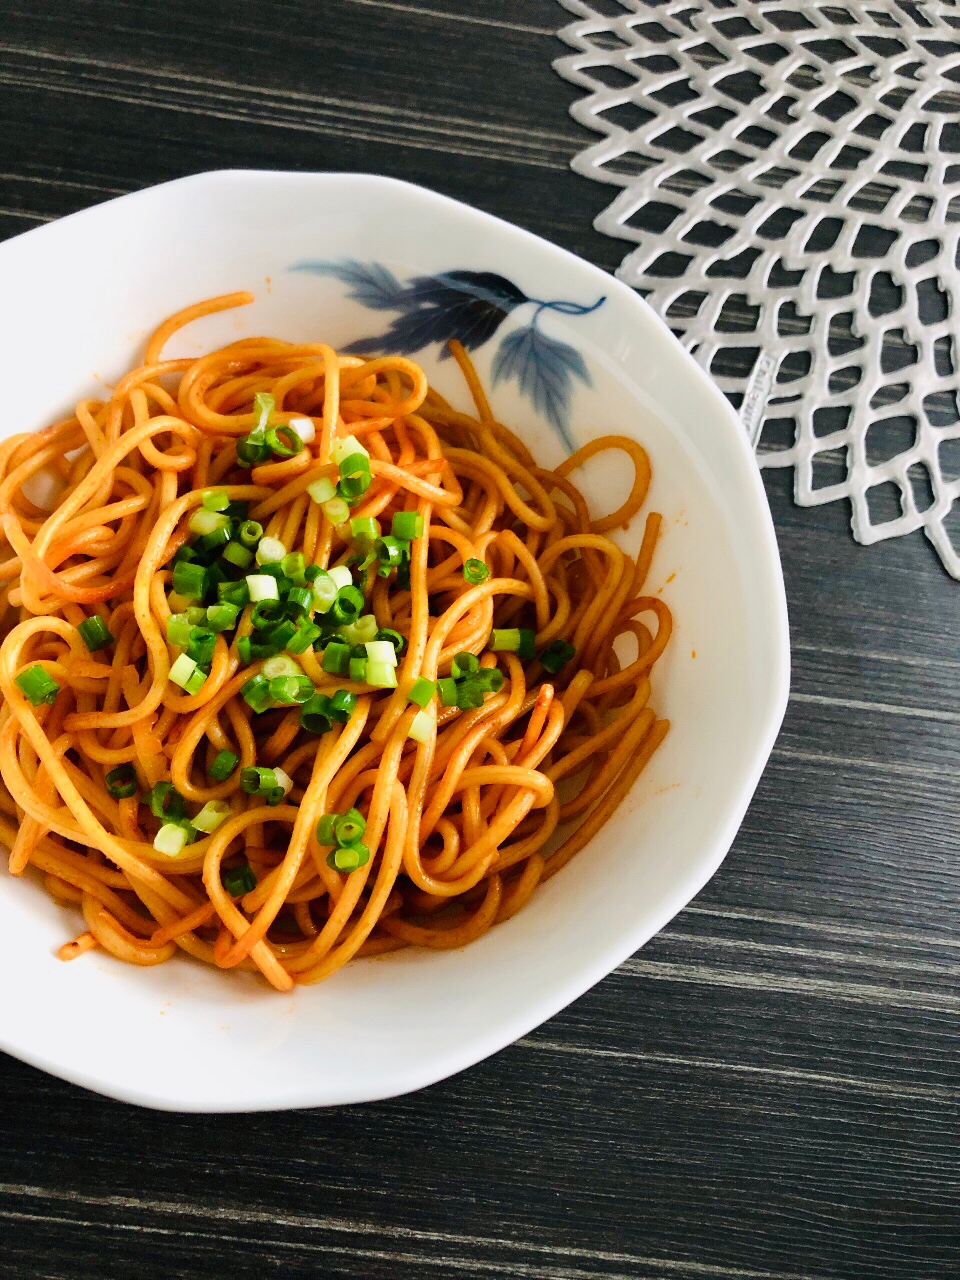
(770, 1089)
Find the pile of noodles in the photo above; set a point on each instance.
(461, 827)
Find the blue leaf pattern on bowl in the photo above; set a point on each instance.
(469, 306)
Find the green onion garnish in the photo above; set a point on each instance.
(250, 533)
(325, 829)
(271, 551)
(325, 590)
(304, 636)
(236, 553)
(347, 605)
(189, 580)
(222, 765)
(213, 541)
(361, 631)
(264, 403)
(256, 694)
(349, 827)
(213, 813)
(237, 593)
(447, 688)
(170, 839)
(464, 664)
(469, 695)
(215, 500)
(336, 658)
(336, 511)
(222, 617)
(283, 441)
(349, 858)
(358, 669)
(166, 802)
(475, 572)
(301, 599)
(382, 675)
(257, 781)
(556, 654)
(342, 704)
(262, 586)
(251, 452)
(122, 781)
(294, 567)
(196, 682)
(322, 490)
(422, 725)
(95, 633)
(391, 552)
(315, 717)
(182, 670)
(204, 521)
(407, 525)
(201, 647)
(381, 651)
(291, 691)
(395, 638)
(364, 530)
(239, 880)
(422, 691)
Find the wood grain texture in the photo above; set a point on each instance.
(770, 1089)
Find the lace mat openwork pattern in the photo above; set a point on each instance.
(790, 177)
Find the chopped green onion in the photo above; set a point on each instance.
(336, 658)
(215, 500)
(222, 617)
(266, 614)
(357, 669)
(95, 633)
(177, 604)
(336, 511)
(179, 629)
(257, 781)
(291, 691)
(421, 726)
(422, 691)
(270, 551)
(395, 638)
(381, 651)
(281, 666)
(475, 572)
(251, 452)
(361, 631)
(293, 566)
(354, 475)
(222, 765)
(264, 406)
(312, 572)
(325, 829)
(349, 857)
(250, 533)
(237, 593)
(201, 647)
(489, 679)
(122, 781)
(514, 640)
(382, 675)
(196, 682)
(447, 688)
(325, 591)
(213, 813)
(342, 704)
(305, 429)
(235, 553)
(170, 839)
(341, 575)
(213, 541)
(166, 802)
(464, 664)
(314, 717)
(262, 586)
(256, 694)
(347, 447)
(283, 441)
(349, 827)
(284, 781)
(322, 490)
(189, 580)
(184, 553)
(301, 598)
(556, 654)
(364, 530)
(204, 521)
(196, 615)
(182, 670)
(391, 552)
(407, 525)
(348, 604)
(469, 695)
(239, 880)
(303, 637)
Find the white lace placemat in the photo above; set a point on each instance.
(789, 175)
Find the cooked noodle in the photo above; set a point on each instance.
(439, 835)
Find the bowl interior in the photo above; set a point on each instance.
(86, 291)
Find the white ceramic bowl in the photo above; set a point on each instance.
(79, 297)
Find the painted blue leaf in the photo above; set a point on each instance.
(485, 286)
(544, 368)
(370, 283)
(436, 310)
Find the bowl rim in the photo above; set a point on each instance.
(756, 531)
